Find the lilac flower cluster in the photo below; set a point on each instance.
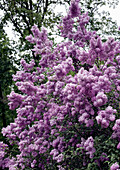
(116, 133)
(63, 68)
(3, 147)
(115, 166)
(105, 116)
(88, 146)
(15, 100)
(63, 102)
(26, 66)
(56, 155)
(67, 29)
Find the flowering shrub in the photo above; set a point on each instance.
(68, 107)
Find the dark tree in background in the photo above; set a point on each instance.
(7, 68)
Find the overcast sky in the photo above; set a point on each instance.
(114, 13)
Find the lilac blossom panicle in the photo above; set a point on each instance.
(88, 146)
(74, 9)
(115, 166)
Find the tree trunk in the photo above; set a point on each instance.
(2, 105)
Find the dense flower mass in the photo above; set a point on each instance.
(68, 106)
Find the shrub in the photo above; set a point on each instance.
(68, 107)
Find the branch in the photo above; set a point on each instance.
(30, 1)
(27, 23)
(16, 26)
(38, 5)
(12, 20)
(45, 10)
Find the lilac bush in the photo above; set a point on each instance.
(68, 106)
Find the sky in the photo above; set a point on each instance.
(114, 13)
